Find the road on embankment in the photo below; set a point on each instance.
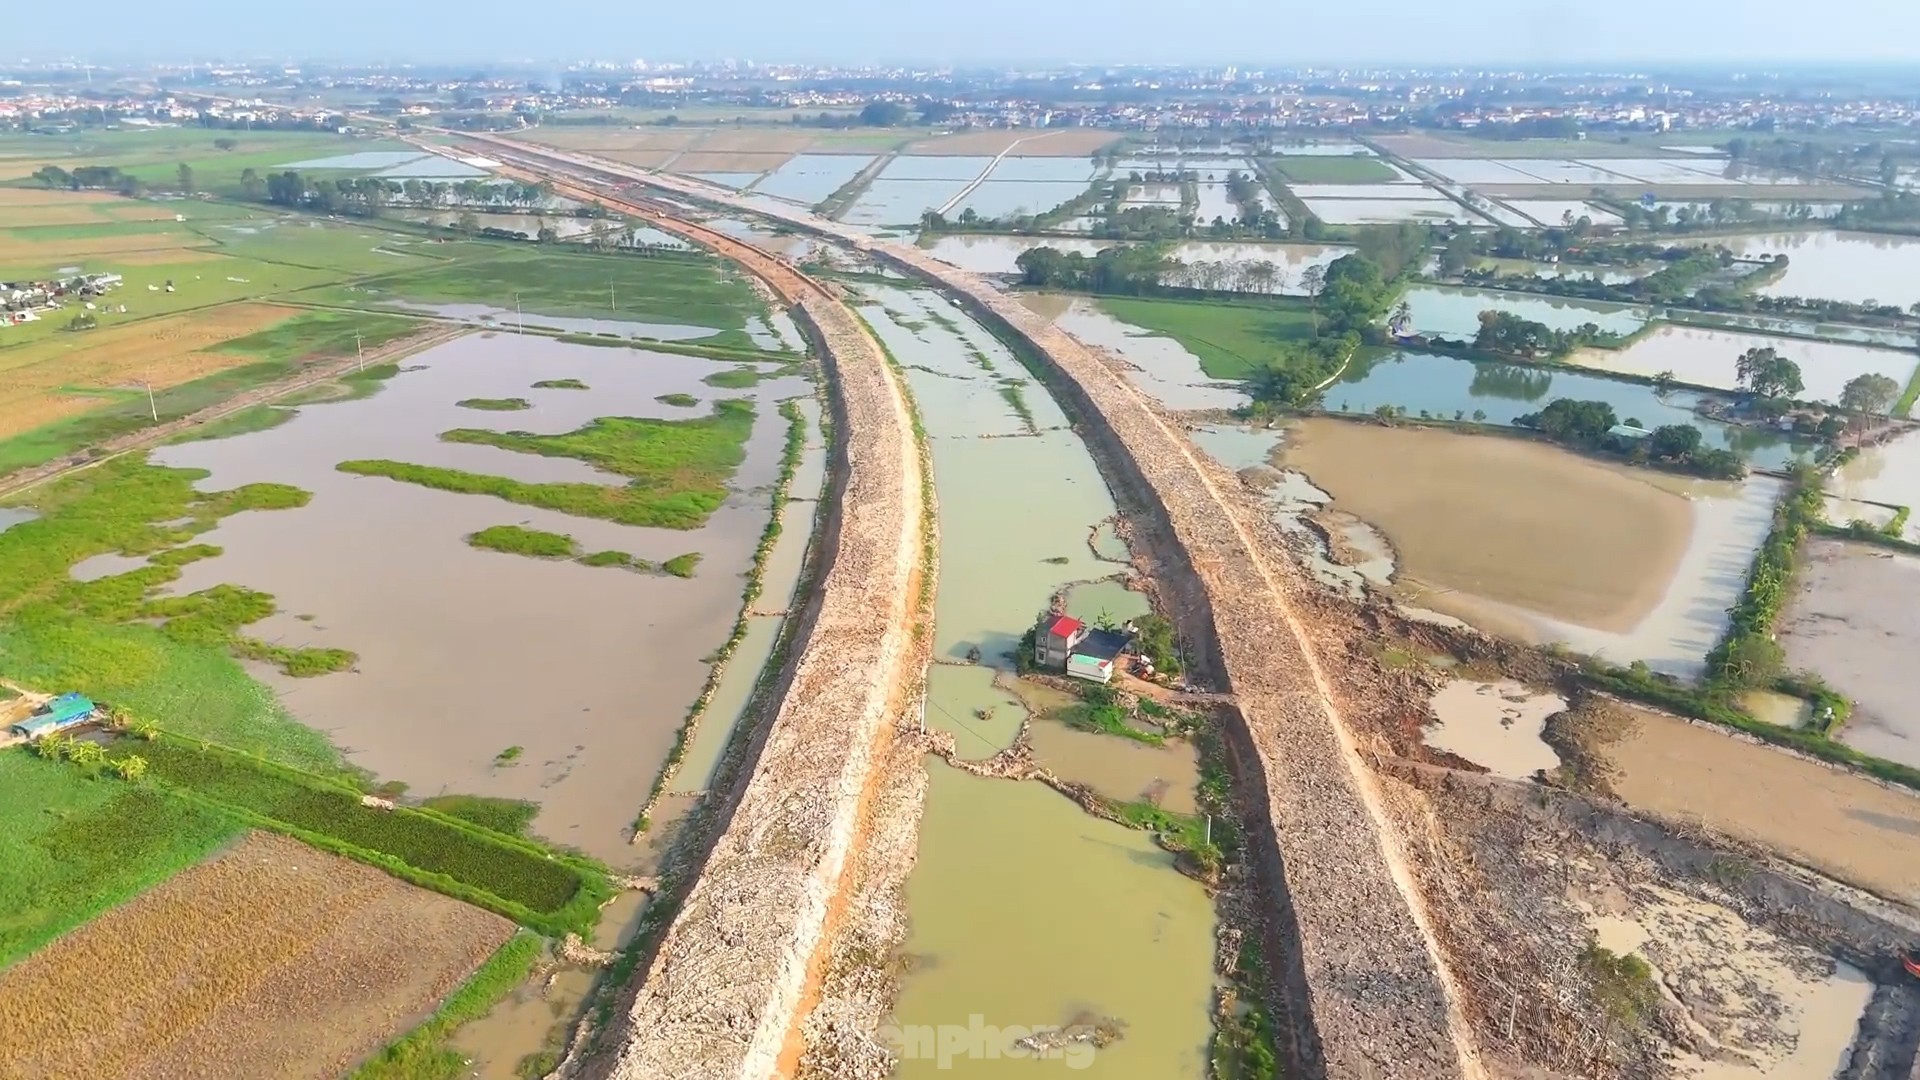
(721, 992)
(1365, 982)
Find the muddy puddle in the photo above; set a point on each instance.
(1888, 475)
(465, 653)
(1851, 619)
(1164, 369)
(1495, 725)
(1755, 1005)
(1024, 910)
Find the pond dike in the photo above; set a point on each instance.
(719, 993)
(1367, 996)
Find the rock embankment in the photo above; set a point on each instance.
(720, 993)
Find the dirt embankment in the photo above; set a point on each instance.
(721, 990)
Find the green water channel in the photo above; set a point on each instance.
(1025, 911)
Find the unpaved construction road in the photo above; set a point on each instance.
(1362, 972)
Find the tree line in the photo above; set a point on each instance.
(1590, 425)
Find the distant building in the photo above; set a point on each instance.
(63, 712)
(1064, 644)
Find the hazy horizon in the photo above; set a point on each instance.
(1248, 32)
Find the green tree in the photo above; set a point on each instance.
(224, 144)
(1765, 373)
(883, 114)
(185, 174)
(1869, 394)
(1674, 442)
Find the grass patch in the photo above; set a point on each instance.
(509, 816)
(515, 878)
(72, 847)
(352, 386)
(682, 566)
(514, 540)
(1623, 984)
(738, 378)
(1100, 712)
(493, 404)
(677, 468)
(560, 384)
(245, 422)
(166, 657)
(1308, 169)
(681, 401)
(423, 1053)
(319, 335)
(1231, 340)
(609, 558)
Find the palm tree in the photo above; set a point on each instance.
(1402, 317)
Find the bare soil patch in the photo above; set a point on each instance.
(270, 960)
(1845, 825)
(1853, 619)
(757, 141)
(38, 382)
(703, 161)
(1509, 520)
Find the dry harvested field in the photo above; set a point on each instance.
(17, 252)
(703, 161)
(270, 960)
(639, 159)
(168, 258)
(1845, 825)
(168, 351)
(1069, 142)
(754, 140)
(1509, 520)
(593, 139)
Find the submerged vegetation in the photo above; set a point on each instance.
(560, 384)
(514, 404)
(677, 468)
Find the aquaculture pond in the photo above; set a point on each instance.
(1438, 311)
(1025, 910)
(1443, 386)
(1161, 365)
(1849, 266)
(1707, 357)
(485, 671)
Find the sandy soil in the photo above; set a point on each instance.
(1852, 619)
(703, 161)
(1070, 142)
(168, 351)
(1849, 827)
(270, 960)
(1513, 521)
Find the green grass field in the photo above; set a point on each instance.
(689, 289)
(342, 248)
(70, 848)
(1232, 340)
(1335, 170)
(677, 469)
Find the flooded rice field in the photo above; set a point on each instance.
(1553, 213)
(1455, 313)
(1043, 170)
(1445, 386)
(1495, 725)
(1845, 825)
(1705, 357)
(727, 179)
(1624, 563)
(1848, 266)
(1762, 1007)
(466, 652)
(1859, 335)
(508, 320)
(1163, 368)
(810, 178)
(1012, 198)
(1388, 211)
(907, 167)
(1851, 619)
(1888, 475)
(1154, 194)
(1025, 910)
(901, 202)
(991, 254)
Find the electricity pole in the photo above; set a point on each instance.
(359, 351)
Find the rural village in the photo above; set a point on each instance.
(1224, 573)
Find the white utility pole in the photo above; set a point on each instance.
(359, 351)
(517, 318)
(151, 407)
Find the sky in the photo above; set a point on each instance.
(1247, 32)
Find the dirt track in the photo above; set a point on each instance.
(1361, 962)
(722, 993)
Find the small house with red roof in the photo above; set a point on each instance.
(1064, 644)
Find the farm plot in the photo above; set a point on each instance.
(45, 381)
(52, 246)
(733, 161)
(809, 178)
(1071, 142)
(272, 959)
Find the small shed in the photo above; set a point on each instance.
(1095, 655)
(65, 711)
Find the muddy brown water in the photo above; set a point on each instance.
(1852, 619)
(463, 652)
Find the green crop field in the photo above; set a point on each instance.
(1336, 170)
(1232, 340)
(318, 335)
(345, 249)
(71, 847)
